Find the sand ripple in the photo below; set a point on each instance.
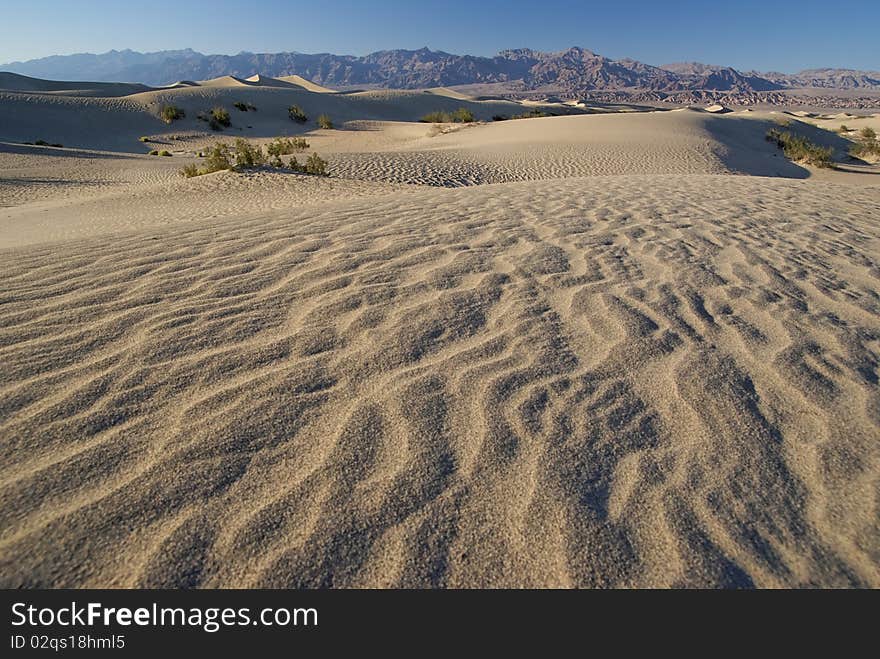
(632, 380)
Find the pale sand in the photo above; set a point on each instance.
(612, 363)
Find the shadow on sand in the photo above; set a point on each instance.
(747, 151)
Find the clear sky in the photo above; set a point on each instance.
(746, 34)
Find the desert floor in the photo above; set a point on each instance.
(635, 349)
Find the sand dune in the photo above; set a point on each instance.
(116, 123)
(612, 381)
(631, 349)
(16, 82)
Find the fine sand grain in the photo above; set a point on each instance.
(608, 350)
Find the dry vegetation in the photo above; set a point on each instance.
(170, 113)
(244, 155)
(868, 147)
(296, 114)
(459, 116)
(799, 149)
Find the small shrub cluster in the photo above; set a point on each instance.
(868, 147)
(248, 155)
(244, 107)
(157, 152)
(460, 116)
(843, 130)
(284, 146)
(800, 149)
(144, 139)
(324, 121)
(296, 114)
(531, 114)
(45, 143)
(244, 155)
(219, 118)
(169, 113)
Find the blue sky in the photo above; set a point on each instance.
(784, 36)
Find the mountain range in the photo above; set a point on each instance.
(575, 70)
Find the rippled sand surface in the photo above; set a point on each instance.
(591, 368)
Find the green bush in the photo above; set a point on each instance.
(868, 147)
(436, 118)
(799, 149)
(169, 113)
(248, 155)
(843, 130)
(219, 118)
(165, 153)
(461, 115)
(144, 139)
(154, 152)
(316, 165)
(244, 107)
(531, 114)
(865, 150)
(283, 146)
(217, 157)
(296, 114)
(244, 155)
(324, 122)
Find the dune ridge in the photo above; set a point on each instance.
(608, 350)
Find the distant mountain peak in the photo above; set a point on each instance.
(573, 70)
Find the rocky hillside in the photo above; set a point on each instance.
(571, 71)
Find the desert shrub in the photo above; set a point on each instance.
(244, 107)
(296, 114)
(243, 155)
(316, 165)
(800, 149)
(218, 157)
(189, 171)
(843, 130)
(144, 139)
(461, 115)
(165, 153)
(154, 152)
(324, 122)
(248, 155)
(868, 147)
(219, 118)
(436, 118)
(865, 150)
(45, 143)
(283, 146)
(169, 113)
(534, 113)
